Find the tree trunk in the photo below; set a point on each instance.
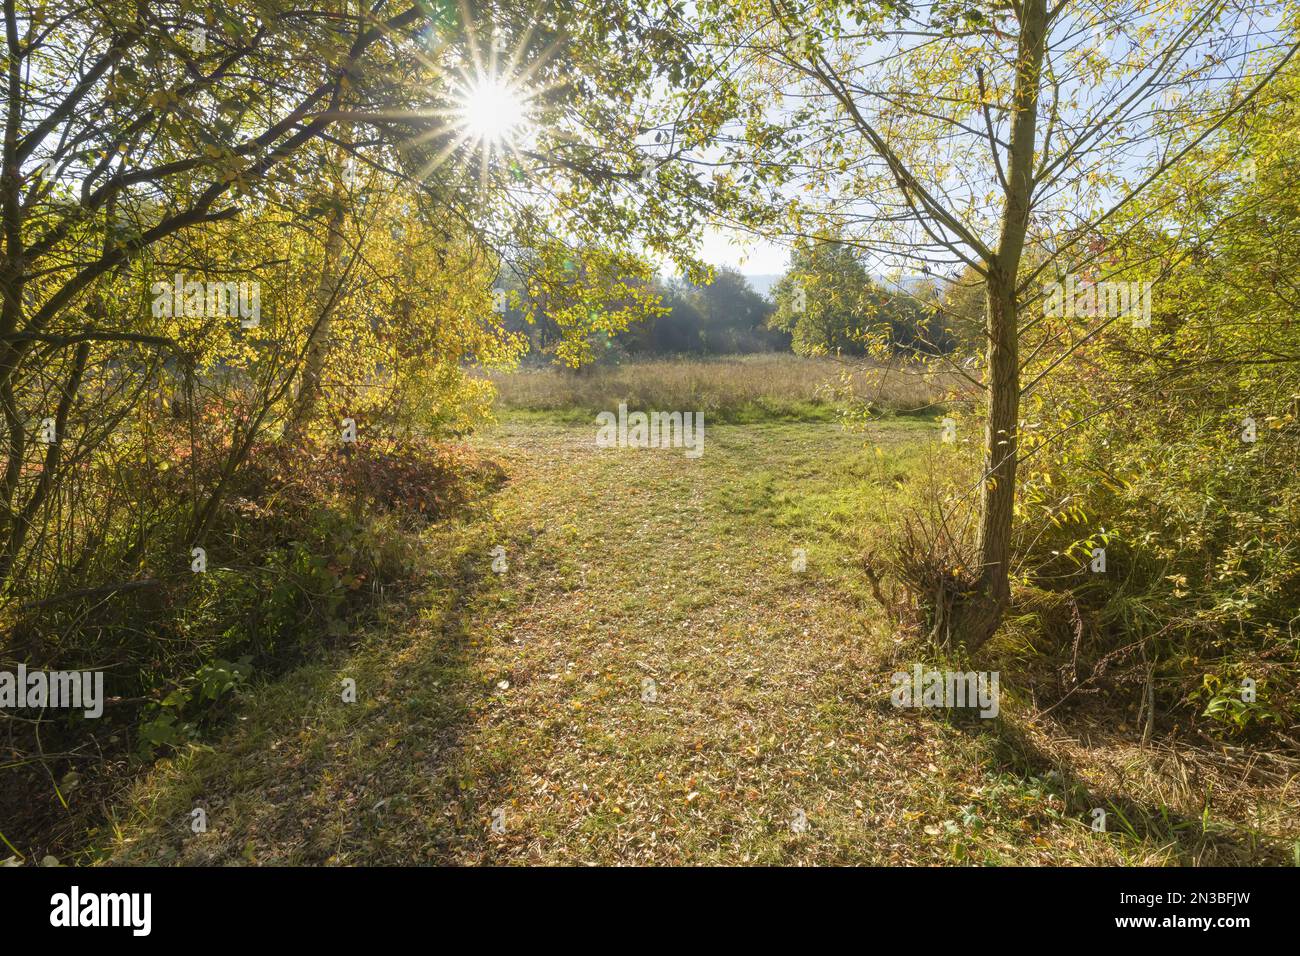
(975, 617)
(309, 389)
(21, 525)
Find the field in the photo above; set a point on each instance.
(651, 679)
(752, 388)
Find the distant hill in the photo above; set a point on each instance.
(763, 283)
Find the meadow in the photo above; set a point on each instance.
(737, 389)
(679, 661)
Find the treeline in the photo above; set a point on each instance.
(827, 303)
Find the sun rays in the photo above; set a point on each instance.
(492, 101)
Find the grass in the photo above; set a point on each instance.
(734, 389)
(522, 697)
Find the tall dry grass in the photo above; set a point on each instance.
(727, 388)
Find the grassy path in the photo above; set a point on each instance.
(648, 682)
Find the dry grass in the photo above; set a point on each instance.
(735, 388)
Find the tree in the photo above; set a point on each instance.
(827, 301)
(146, 139)
(960, 135)
(962, 311)
(724, 316)
(1176, 448)
(735, 315)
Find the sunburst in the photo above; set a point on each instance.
(492, 103)
(491, 107)
(494, 111)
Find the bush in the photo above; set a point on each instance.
(324, 536)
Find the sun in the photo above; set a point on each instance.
(490, 104)
(493, 110)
